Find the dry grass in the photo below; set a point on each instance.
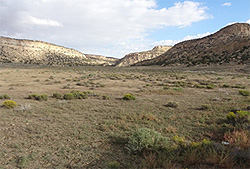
(92, 132)
(239, 138)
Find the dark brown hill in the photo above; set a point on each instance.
(231, 44)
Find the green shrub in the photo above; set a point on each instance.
(226, 86)
(179, 140)
(57, 95)
(128, 97)
(145, 139)
(68, 96)
(9, 104)
(178, 89)
(244, 92)
(79, 95)
(231, 116)
(210, 86)
(238, 117)
(51, 77)
(5, 96)
(102, 85)
(113, 165)
(172, 104)
(33, 96)
(38, 97)
(105, 97)
(205, 107)
(199, 86)
(43, 97)
(238, 87)
(166, 88)
(75, 95)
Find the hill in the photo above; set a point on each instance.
(38, 52)
(231, 44)
(133, 58)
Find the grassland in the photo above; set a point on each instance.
(93, 132)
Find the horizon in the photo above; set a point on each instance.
(116, 29)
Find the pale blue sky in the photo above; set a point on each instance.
(221, 15)
(117, 27)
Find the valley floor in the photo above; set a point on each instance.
(93, 132)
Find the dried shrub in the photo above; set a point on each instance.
(240, 138)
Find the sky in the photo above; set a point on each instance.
(115, 28)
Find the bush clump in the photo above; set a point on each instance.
(211, 86)
(238, 117)
(205, 107)
(238, 87)
(128, 97)
(244, 92)
(42, 97)
(178, 89)
(172, 104)
(33, 96)
(57, 95)
(9, 104)
(105, 97)
(68, 96)
(5, 96)
(199, 86)
(75, 95)
(226, 85)
(145, 139)
(79, 95)
(113, 165)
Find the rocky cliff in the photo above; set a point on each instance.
(38, 52)
(231, 44)
(133, 58)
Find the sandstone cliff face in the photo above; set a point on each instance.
(37, 52)
(229, 45)
(133, 58)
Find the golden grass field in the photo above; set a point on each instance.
(92, 132)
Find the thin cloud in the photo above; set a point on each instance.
(227, 4)
(46, 22)
(31, 20)
(248, 21)
(197, 36)
(171, 42)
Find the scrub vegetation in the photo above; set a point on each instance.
(138, 117)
